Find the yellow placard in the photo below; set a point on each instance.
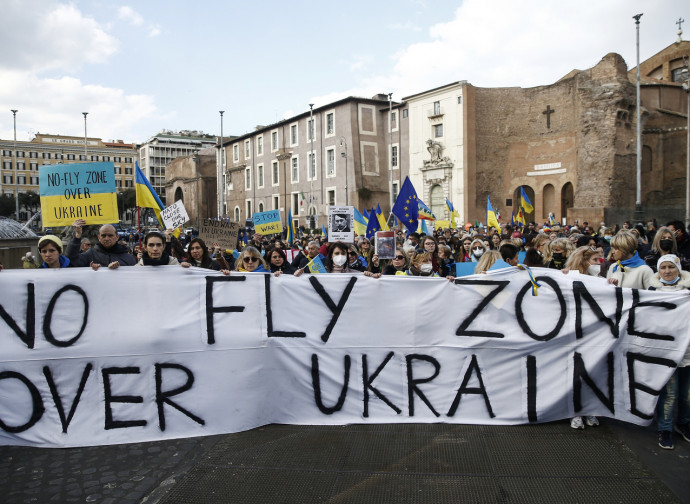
(94, 209)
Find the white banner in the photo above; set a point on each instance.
(142, 354)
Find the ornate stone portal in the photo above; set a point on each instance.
(436, 171)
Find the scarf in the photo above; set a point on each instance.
(633, 262)
(163, 261)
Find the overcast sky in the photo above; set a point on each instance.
(139, 67)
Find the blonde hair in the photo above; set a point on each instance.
(579, 259)
(656, 244)
(252, 251)
(487, 260)
(563, 243)
(624, 241)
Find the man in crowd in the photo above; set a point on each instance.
(301, 260)
(107, 252)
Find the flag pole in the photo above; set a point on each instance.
(139, 224)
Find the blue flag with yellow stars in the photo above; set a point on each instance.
(373, 225)
(406, 206)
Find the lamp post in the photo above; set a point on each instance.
(16, 174)
(343, 144)
(196, 165)
(638, 190)
(686, 86)
(312, 221)
(221, 205)
(390, 154)
(85, 141)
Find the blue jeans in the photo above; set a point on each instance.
(677, 390)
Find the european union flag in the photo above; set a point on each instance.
(406, 207)
(373, 224)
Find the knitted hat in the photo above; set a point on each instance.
(51, 238)
(668, 258)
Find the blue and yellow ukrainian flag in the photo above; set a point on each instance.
(146, 195)
(491, 220)
(360, 224)
(316, 265)
(290, 228)
(382, 220)
(525, 202)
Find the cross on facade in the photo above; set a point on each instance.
(548, 113)
(680, 23)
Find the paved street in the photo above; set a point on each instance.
(361, 464)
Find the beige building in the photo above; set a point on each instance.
(23, 169)
(192, 179)
(337, 154)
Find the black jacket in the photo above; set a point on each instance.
(98, 254)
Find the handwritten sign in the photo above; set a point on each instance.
(221, 232)
(267, 223)
(174, 215)
(244, 339)
(78, 191)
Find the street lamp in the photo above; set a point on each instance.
(85, 141)
(686, 87)
(311, 128)
(16, 174)
(344, 155)
(390, 152)
(638, 190)
(221, 206)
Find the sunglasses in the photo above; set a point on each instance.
(250, 259)
(351, 253)
(400, 258)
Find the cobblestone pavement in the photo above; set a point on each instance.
(400, 463)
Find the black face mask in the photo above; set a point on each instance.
(666, 245)
(558, 256)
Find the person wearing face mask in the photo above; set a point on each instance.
(681, 236)
(664, 243)
(676, 394)
(421, 265)
(477, 249)
(336, 262)
(586, 260)
(557, 252)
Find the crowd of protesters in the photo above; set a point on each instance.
(636, 256)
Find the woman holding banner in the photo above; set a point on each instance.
(50, 248)
(199, 255)
(250, 261)
(676, 393)
(278, 263)
(629, 270)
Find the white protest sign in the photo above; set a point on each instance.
(222, 232)
(341, 224)
(253, 349)
(174, 215)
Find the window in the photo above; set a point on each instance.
(274, 173)
(129, 183)
(394, 121)
(311, 163)
(20, 153)
(128, 170)
(260, 174)
(128, 160)
(459, 100)
(274, 141)
(70, 157)
(331, 197)
(117, 159)
(261, 206)
(330, 123)
(105, 158)
(118, 170)
(45, 155)
(7, 179)
(437, 108)
(276, 202)
(82, 157)
(33, 155)
(679, 75)
(293, 134)
(394, 156)
(294, 170)
(248, 178)
(33, 166)
(395, 190)
(330, 163)
(34, 180)
(235, 153)
(247, 150)
(20, 165)
(8, 153)
(260, 146)
(310, 129)
(237, 214)
(248, 206)
(118, 183)
(21, 179)
(295, 203)
(93, 158)
(438, 130)
(7, 165)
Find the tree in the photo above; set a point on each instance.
(30, 200)
(7, 205)
(126, 201)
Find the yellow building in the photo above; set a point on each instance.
(20, 172)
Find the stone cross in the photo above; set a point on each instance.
(680, 23)
(548, 113)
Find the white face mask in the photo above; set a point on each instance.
(426, 268)
(594, 270)
(477, 252)
(339, 260)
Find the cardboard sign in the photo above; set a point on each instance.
(341, 226)
(78, 191)
(268, 223)
(222, 232)
(174, 215)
